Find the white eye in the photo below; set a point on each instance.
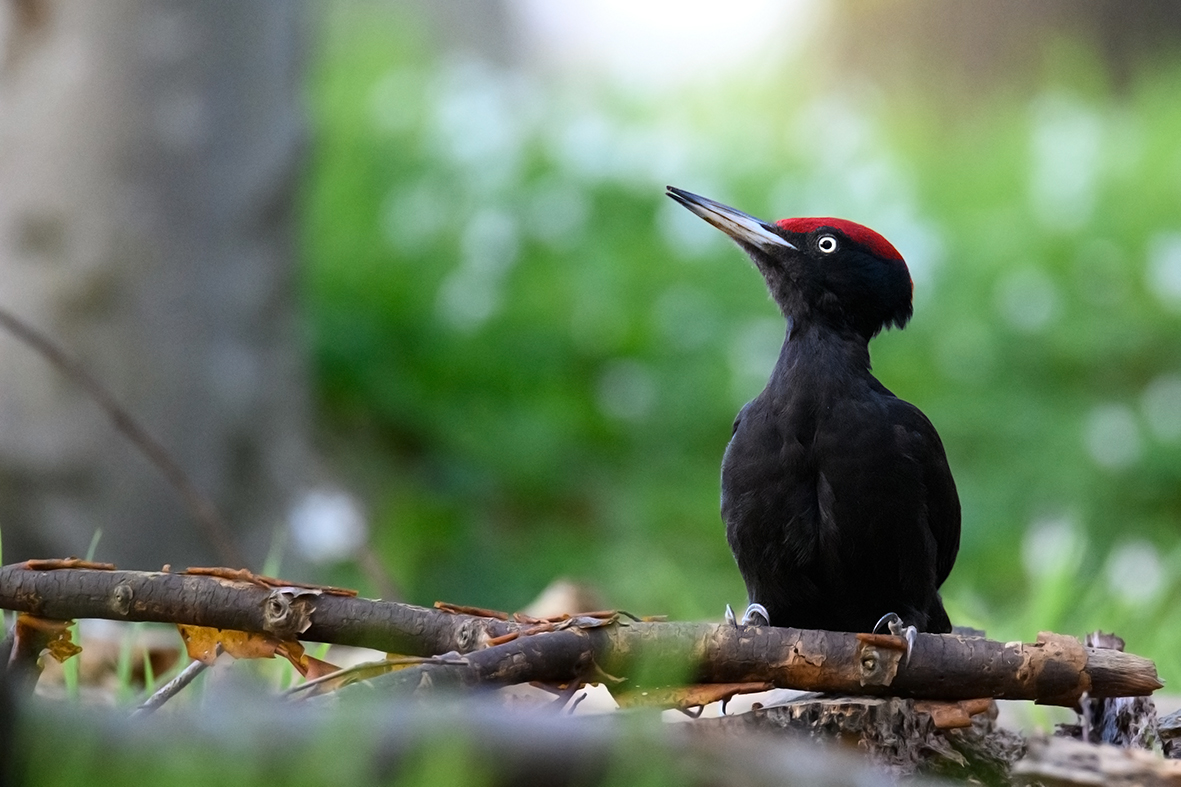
(827, 244)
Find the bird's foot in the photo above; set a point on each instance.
(755, 615)
(895, 626)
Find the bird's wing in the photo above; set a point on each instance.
(738, 419)
(943, 503)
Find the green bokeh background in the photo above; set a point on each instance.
(528, 359)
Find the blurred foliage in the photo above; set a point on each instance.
(533, 358)
(251, 740)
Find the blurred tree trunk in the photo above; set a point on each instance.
(148, 160)
(482, 29)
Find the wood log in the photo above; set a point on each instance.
(903, 736)
(1128, 722)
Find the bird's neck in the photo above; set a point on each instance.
(818, 355)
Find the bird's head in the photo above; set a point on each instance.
(822, 269)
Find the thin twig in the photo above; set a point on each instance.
(372, 665)
(199, 505)
(172, 687)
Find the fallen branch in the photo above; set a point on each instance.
(216, 601)
(1055, 670)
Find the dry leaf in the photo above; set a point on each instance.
(201, 643)
(55, 635)
(308, 666)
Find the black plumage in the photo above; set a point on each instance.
(837, 497)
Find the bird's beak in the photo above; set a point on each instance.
(743, 228)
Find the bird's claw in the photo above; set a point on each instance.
(891, 621)
(755, 615)
(911, 634)
(895, 626)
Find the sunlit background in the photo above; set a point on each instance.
(526, 360)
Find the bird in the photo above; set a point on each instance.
(838, 501)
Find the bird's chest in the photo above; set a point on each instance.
(770, 467)
(779, 472)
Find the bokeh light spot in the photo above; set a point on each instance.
(1052, 545)
(1161, 404)
(1112, 436)
(327, 525)
(1164, 269)
(1134, 572)
(1027, 299)
(626, 390)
